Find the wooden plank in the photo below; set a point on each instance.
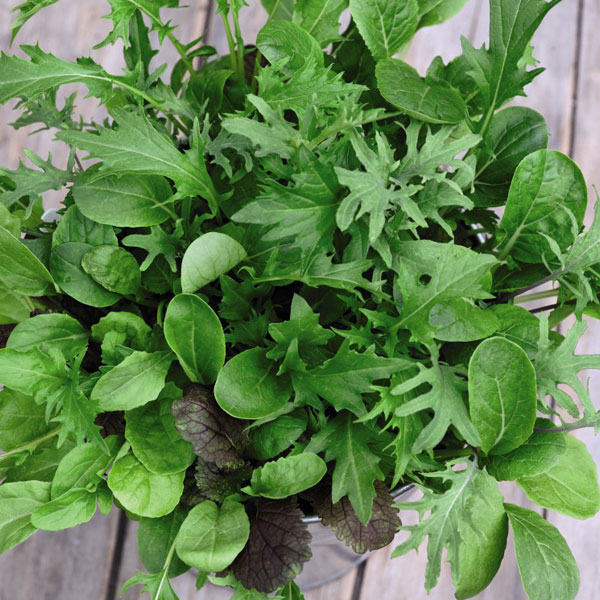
(583, 537)
(68, 565)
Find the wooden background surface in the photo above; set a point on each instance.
(92, 561)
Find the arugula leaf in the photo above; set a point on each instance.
(341, 518)
(502, 395)
(156, 243)
(21, 420)
(278, 546)
(446, 400)
(356, 465)
(467, 519)
(548, 569)
(211, 537)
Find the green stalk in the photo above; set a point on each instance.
(230, 43)
(31, 444)
(537, 296)
(240, 44)
(165, 570)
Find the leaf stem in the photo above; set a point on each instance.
(563, 428)
(31, 444)
(165, 571)
(537, 296)
(240, 44)
(230, 43)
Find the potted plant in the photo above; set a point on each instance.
(280, 286)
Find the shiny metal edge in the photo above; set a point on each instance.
(396, 493)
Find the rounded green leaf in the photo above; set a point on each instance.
(547, 197)
(207, 258)
(459, 320)
(113, 268)
(75, 227)
(195, 334)
(144, 493)
(288, 476)
(211, 537)
(21, 419)
(284, 39)
(155, 441)
(65, 264)
(125, 201)
(570, 486)
(248, 388)
(74, 507)
(502, 395)
(20, 271)
(47, 331)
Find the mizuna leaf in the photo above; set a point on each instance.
(25, 11)
(278, 546)
(214, 435)
(211, 536)
(341, 518)
(502, 395)
(547, 566)
(136, 147)
(468, 519)
(386, 26)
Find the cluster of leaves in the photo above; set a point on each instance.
(281, 287)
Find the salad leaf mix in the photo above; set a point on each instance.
(287, 280)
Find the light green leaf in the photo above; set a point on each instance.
(211, 536)
(404, 88)
(207, 258)
(74, 507)
(469, 520)
(126, 201)
(282, 39)
(55, 330)
(113, 268)
(570, 486)
(65, 265)
(279, 9)
(385, 25)
(320, 18)
(155, 441)
(547, 566)
(518, 325)
(288, 475)
(18, 501)
(461, 321)
(195, 334)
(502, 395)
(20, 271)
(144, 493)
(75, 227)
(137, 380)
(14, 308)
(548, 196)
(247, 387)
(21, 420)
(434, 12)
(272, 438)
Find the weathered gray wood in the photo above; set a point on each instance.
(66, 565)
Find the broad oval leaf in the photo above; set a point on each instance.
(211, 537)
(248, 387)
(207, 258)
(144, 493)
(282, 39)
(75, 507)
(65, 264)
(21, 419)
(154, 439)
(385, 25)
(18, 500)
(272, 438)
(195, 334)
(126, 201)
(461, 321)
(502, 395)
(547, 566)
(320, 18)
(20, 270)
(113, 268)
(404, 88)
(76, 227)
(288, 476)
(137, 380)
(570, 486)
(47, 331)
(547, 197)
